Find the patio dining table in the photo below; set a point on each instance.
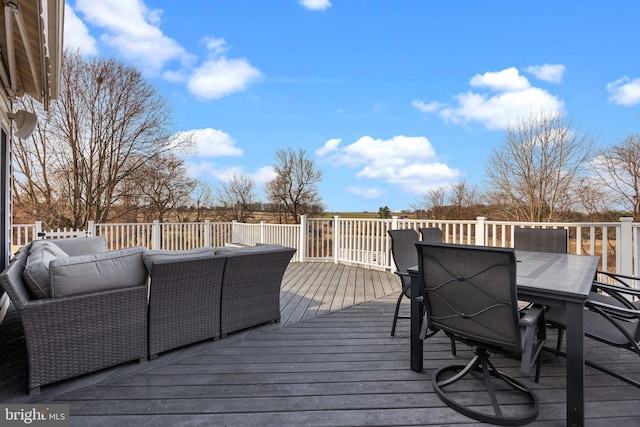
(551, 279)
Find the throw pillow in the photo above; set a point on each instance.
(36, 271)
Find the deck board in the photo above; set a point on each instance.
(325, 364)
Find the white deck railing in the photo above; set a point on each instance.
(356, 241)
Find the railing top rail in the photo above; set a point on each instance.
(119, 224)
(194, 223)
(554, 224)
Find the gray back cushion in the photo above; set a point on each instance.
(157, 255)
(36, 271)
(247, 249)
(89, 273)
(80, 245)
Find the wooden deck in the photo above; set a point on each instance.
(330, 362)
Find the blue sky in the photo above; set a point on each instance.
(390, 98)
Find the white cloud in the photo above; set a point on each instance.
(408, 162)
(393, 151)
(515, 98)
(624, 91)
(367, 193)
(219, 76)
(496, 112)
(507, 80)
(427, 108)
(264, 175)
(551, 73)
(212, 143)
(132, 29)
(76, 34)
(329, 147)
(315, 4)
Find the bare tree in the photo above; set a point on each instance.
(592, 197)
(202, 199)
(294, 188)
(433, 203)
(163, 185)
(533, 174)
(618, 167)
(463, 197)
(237, 198)
(34, 187)
(107, 123)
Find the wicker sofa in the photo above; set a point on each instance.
(79, 333)
(107, 308)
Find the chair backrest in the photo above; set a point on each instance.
(403, 248)
(470, 292)
(431, 234)
(540, 240)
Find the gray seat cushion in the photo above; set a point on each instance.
(89, 273)
(36, 271)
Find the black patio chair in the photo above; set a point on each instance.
(431, 234)
(471, 295)
(612, 316)
(405, 256)
(552, 240)
(540, 240)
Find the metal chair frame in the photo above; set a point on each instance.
(488, 320)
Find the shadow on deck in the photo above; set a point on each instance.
(330, 362)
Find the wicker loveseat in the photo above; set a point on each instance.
(100, 309)
(209, 293)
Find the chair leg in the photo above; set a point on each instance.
(395, 314)
(538, 366)
(559, 342)
(483, 365)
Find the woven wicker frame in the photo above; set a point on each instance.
(251, 288)
(75, 335)
(184, 302)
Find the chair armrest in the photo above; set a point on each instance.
(615, 289)
(619, 278)
(533, 337)
(620, 294)
(532, 316)
(616, 311)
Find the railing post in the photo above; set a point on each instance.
(38, 232)
(636, 255)
(91, 228)
(155, 237)
(336, 239)
(234, 236)
(624, 246)
(207, 233)
(394, 222)
(481, 231)
(302, 250)
(262, 227)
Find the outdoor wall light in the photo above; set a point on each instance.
(25, 123)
